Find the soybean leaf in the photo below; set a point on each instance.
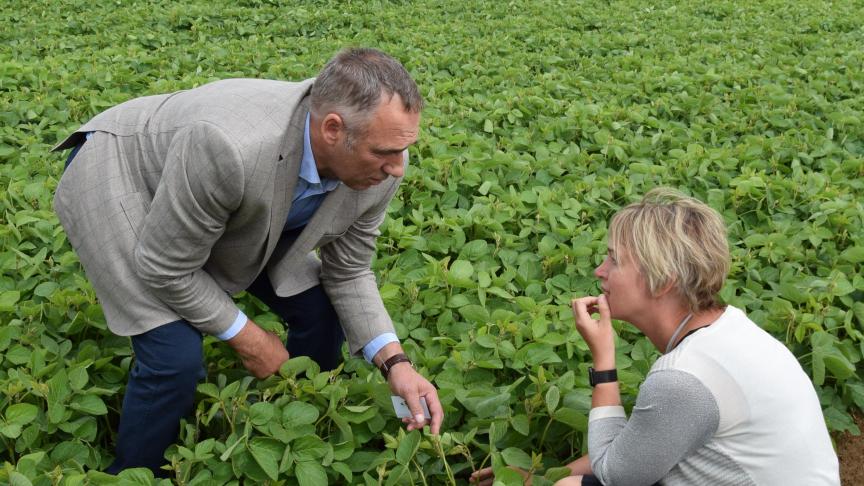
(310, 474)
(267, 453)
(516, 457)
(21, 413)
(408, 447)
(299, 413)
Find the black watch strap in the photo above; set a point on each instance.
(393, 360)
(606, 376)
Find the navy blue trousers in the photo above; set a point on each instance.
(169, 363)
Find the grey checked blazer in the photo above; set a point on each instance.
(179, 200)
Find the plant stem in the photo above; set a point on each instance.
(440, 450)
(11, 448)
(227, 416)
(545, 430)
(419, 472)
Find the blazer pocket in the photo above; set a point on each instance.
(135, 207)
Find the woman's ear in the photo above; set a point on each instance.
(666, 288)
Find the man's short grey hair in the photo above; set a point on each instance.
(353, 82)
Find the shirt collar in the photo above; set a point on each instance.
(308, 169)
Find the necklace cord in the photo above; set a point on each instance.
(678, 331)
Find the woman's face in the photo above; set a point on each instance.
(622, 283)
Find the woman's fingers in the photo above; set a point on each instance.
(581, 313)
(481, 477)
(603, 309)
(580, 307)
(597, 333)
(485, 476)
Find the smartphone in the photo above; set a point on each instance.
(402, 410)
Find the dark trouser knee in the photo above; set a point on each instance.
(317, 333)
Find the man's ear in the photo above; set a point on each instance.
(332, 128)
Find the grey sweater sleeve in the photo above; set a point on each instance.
(674, 415)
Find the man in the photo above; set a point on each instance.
(174, 202)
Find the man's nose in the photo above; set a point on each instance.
(395, 168)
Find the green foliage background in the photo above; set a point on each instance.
(543, 118)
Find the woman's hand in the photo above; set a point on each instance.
(485, 476)
(598, 334)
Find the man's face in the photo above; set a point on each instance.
(376, 153)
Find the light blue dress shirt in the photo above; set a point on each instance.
(310, 190)
(309, 193)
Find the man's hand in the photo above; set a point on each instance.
(598, 334)
(410, 385)
(260, 351)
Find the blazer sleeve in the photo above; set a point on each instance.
(348, 280)
(201, 186)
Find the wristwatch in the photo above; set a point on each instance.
(393, 360)
(606, 376)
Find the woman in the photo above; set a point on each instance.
(726, 403)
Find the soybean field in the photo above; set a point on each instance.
(542, 119)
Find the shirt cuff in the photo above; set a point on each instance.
(239, 324)
(375, 345)
(609, 411)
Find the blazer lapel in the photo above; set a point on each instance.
(326, 213)
(286, 174)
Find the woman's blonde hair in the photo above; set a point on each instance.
(674, 239)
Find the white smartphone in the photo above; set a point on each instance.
(402, 410)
